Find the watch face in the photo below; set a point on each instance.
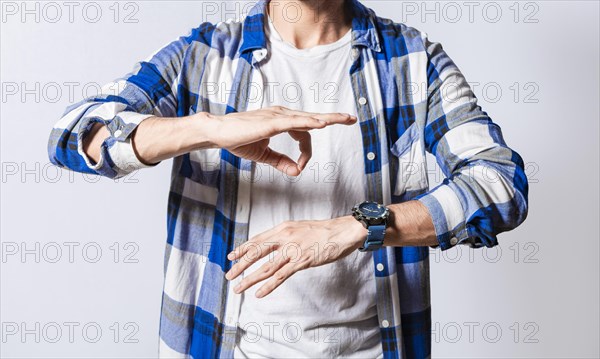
(372, 209)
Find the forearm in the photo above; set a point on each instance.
(159, 138)
(409, 224)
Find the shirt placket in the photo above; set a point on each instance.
(239, 100)
(373, 130)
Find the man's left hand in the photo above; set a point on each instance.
(296, 245)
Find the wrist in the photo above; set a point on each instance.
(205, 130)
(358, 230)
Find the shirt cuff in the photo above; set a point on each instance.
(117, 157)
(447, 215)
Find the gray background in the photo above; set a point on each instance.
(537, 295)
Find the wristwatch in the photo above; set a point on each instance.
(374, 217)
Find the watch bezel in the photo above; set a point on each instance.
(367, 219)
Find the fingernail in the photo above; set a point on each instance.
(237, 288)
(231, 255)
(259, 293)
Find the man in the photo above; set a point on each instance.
(263, 263)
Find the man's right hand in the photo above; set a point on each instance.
(247, 134)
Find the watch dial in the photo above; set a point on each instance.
(372, 209)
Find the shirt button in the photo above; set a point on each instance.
(118, 133)
(355, 52)
(362, 101)
(370, 156)
(453, 240)
(380, 267)
(385, 323)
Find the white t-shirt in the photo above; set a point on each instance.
(326, 311)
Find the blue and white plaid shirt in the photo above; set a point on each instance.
(410, 97)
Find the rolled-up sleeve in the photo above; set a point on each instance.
(121, 105)
(485, 191)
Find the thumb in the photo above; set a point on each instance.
(280, 161)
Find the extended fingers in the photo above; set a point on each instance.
(335, 118)
(277, 278)
(319, 120)
(251, 251)
(246, 261)
(290, 258)
(304, 121)
(265, 271)
(329, 118)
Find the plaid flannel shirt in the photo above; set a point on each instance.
(411, 98)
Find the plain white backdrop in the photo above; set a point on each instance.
(82, 257)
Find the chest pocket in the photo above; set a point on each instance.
(410, 165)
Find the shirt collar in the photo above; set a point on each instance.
(364, 31)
